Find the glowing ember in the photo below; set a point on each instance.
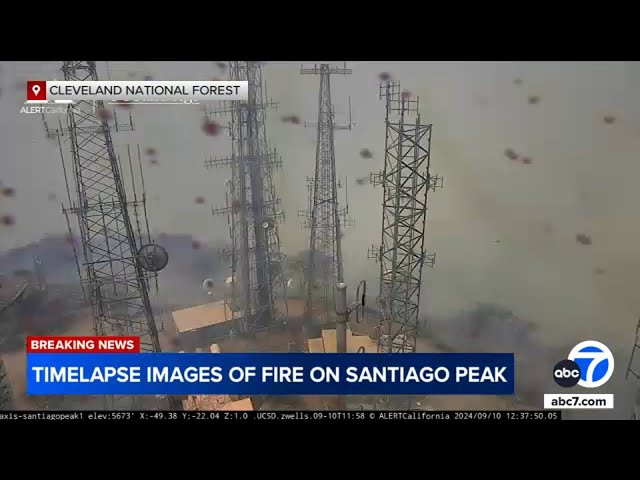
(210, 128)
(366, 153)
(291, 119)
(104, 114)
(362, 180)
(511, 154)
(583, 239)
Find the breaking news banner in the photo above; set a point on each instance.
(80, 366)
(40, 91)
(221, 417)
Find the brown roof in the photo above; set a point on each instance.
(216, 402)
(327, 343)
(239, 405)
(201, 316)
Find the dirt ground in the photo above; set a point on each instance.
(16, 364)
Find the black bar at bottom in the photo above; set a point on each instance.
(355, 416)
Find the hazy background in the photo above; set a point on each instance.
(504, 231)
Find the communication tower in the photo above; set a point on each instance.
(406, 181)
(324, 217)
(258, 298)
(118, 260)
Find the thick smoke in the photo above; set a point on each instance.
(492, 328)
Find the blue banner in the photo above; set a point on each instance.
(270, 374)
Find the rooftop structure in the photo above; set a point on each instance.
(216, 402)
(355, 343)
(201, 316)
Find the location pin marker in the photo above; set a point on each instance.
(36, 89)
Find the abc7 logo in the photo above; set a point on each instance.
(590, 365)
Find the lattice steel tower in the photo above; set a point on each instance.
(6, 394)
(115, 275)
(324, 216)
(406, 181)
(258, 281)
(633, 370)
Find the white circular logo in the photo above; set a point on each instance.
(595, 361)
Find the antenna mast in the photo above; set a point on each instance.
(258, 300)
(114, 276)
(406, 181)
(324, 218)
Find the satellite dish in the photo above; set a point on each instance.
(152, 257)
(208, 285)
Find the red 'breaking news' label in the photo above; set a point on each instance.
(83, 344)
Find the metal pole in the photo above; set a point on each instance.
(343, 318)
(341, 329)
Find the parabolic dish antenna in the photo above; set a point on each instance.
(152, 257)
(208, 284)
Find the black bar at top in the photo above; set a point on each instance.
(222, 416)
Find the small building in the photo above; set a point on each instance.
(244, 405)
(355, 343)
(209, 403)
(197, 326)
(327, 344)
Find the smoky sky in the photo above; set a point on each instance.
(503, 231)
